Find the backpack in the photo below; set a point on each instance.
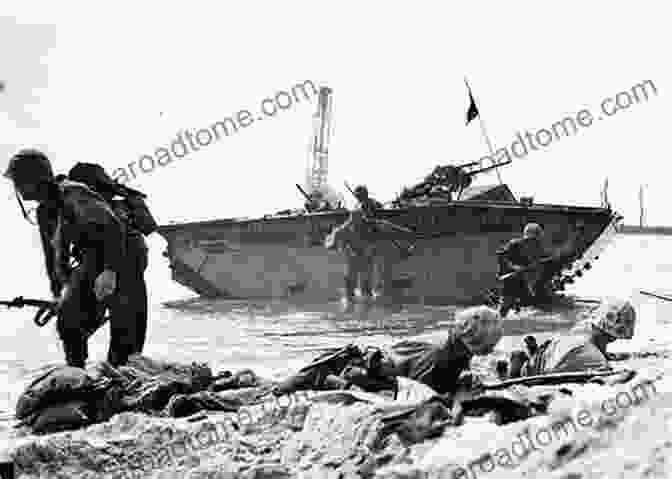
(132, 208)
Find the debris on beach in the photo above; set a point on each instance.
(244, 430)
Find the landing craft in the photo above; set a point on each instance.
(458, 230)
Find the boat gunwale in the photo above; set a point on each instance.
(542, 207)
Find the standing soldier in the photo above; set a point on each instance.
(137, 220)
(354, 239)
(367, 204)
(72, 215)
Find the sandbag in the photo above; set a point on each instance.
(61, 417)
(57, 385)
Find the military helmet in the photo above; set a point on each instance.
(479, 328)
(361, 190)
(29, 165)
(532, 230)
(616, 317)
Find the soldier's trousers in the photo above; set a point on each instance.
(82, 314)
(128, 316)
(359, 267)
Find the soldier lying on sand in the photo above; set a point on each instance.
(477, 331)
(585, 348)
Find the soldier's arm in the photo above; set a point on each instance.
(98, 224)
(506, 253)
(46, 234)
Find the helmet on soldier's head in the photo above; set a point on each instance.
(479, 328)
(29, 166)
(616, 317)
(361, 190)
(532, 230)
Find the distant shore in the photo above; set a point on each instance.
(645, 230)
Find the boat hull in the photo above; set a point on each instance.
(454, 261)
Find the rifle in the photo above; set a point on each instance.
(303, 192)
(664, 298)
(405, 250)
(555, 378)
(46, 309)
(510, 275)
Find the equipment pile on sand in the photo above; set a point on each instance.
(152, 416)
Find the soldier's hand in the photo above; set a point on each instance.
(105, 284)
(63, 296)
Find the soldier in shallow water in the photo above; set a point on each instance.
(354, 238)
(517, 255)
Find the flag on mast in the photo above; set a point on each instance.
(472, 111)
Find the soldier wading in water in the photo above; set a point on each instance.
(359, 239)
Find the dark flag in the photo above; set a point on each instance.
(472, 112)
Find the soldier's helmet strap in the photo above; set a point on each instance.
(25, 213)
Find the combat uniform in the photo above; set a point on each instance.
(137, 261)
(87, 224)
(577, 352)
(477, 331)
(137, 221)
(521, 252)
(354, 238)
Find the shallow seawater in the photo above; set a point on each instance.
(275, 338)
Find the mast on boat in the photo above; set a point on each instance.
(318, 155)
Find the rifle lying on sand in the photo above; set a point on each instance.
(400, 409)
(46, 309)
(556, 378)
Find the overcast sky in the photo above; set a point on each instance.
(111, 83)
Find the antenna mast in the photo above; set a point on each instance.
(641, 205)
(319, 145)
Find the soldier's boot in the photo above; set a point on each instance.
(75, 352)
(74, 342)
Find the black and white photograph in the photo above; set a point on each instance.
(357, 240)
